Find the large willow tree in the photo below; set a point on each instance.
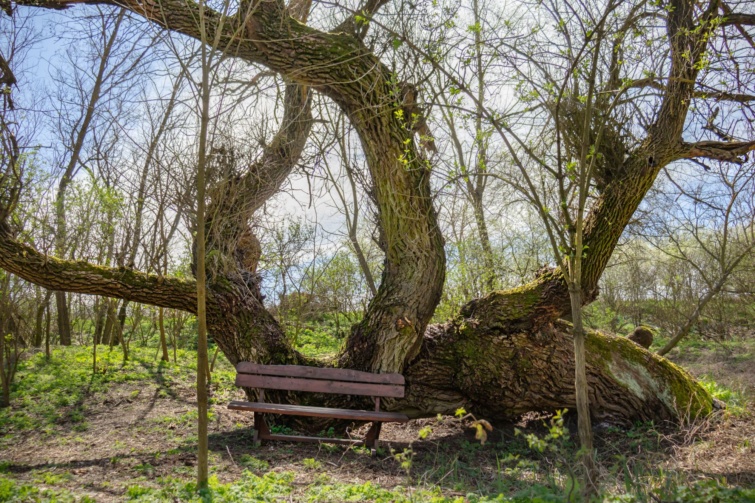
(503, 354)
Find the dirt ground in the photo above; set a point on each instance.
(136, 434)
(723, 447)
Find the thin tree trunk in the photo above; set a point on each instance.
(5, 372)
(47, 332)
(481, 166)
(121, 321)
(214, 358)
(352, 220)
(5, 354)
(582, 393)
(110, 323)
(99, 318)
(163, 340)
(64, 320)
(202, 361)
(39, 330)
(362, 260)
(487, 250)
(176, 333)
(94, 356)
(124, 343)
(692, 319)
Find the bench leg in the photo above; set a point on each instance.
(373, 434)
(260, 429)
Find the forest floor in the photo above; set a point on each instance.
(128, 432)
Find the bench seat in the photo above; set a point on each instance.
(304, 410)
(318, 380)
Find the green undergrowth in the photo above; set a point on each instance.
(282, 486)
(319, 334)
(537, 465)
(736, 402)
(51, 394)
(694, 347)
(317, 342)
(11, 490)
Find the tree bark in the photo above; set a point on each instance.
(39, 319)
(163, 339)
(64, 320)
(100, 312)
(498, 374)
(120, 324)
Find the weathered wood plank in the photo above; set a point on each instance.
(299, 438)
(319, 386)
(304, 410)
(332, 374)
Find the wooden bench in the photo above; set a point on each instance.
(318, 380)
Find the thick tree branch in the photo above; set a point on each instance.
(471, 364)
(265, 177)
(717, 95)
(83, 277)
(342, 67)
(729, 151)
(740, 28)
(611, 212)
(738, 18)
(709, 93)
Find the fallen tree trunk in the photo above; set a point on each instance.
(498, 374)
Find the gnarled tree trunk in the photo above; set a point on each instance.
(505, 353)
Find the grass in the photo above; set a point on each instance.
(281, 486)
(60, 405)
(49, 394)
(736, 402)
(11, 490)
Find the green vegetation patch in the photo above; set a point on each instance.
(271, 487)
(317, 342)
(54, 393)
(11, 490)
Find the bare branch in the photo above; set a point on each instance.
(367, 10)
(740, 28)
(709, 93)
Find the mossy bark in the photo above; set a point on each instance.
(503, 374)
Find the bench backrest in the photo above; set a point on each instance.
(319, 380)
